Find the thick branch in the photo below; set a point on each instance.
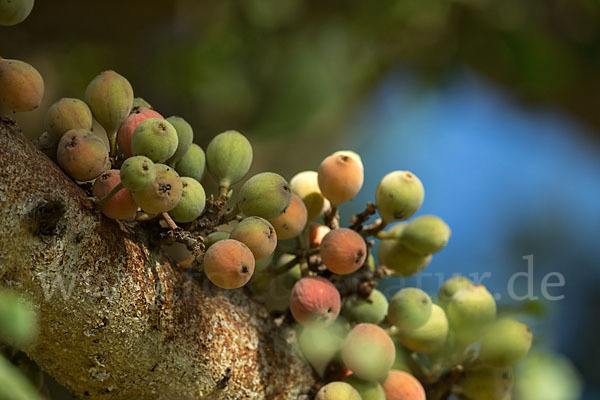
(117, 320)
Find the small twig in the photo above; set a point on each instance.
(358, 220)
(332, 218)
(374, 228)
(172, 225)
(441, 389)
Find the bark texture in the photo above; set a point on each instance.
(118, 321)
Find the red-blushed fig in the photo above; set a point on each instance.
(450, 287)
(368, 352)
(13, 12)
(229, 264)
(399, 195)
(121, 205)
(137, 173)
(185, 137)
(82, 154)
(192, 202)
(425, 235)
(306, 185)
(368, 390)
(163, 194)
(372, 309)
(258, 234)
(125, 133)
(314, 299)
(154, 138)
(486, 383)
(293, 220)
(505, 343)
(343, 251)
(228, 157)
(429, 337)
(341, 176)
(400, 385)
(21, 86)
(316, 233)
(265, 195)
(410, 308)
(192, 163)
(337, 391)
(67, 114)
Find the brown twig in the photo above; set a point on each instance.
(359, 219)
(441, 389)
(332, 218)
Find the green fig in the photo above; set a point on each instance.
(265, 195)
(450, 287)
(228, 157)
(409, 308)
(425, 235)
(401, 260)
(372, 309)
(429, 337)
(486, 383)
(399, 195)
(67, 114)
(192, 202)
(470, 310)
(139, 102)
(505, 343)
(82, 154)
(185, 136)
(163, 194)
(337, 391)
(258, 234)
(214, 237)
(13, 12)
(368, 352)
(154, 138)
(192, 163)
(137, 173)
(368, 390)
(306, 185)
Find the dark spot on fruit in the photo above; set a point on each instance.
(271, 232)
(286, 188)
(359, 255)
(244, 269)
(328, 310)
(399, 215)
(145, 167)
(184, 184)
(162, 126)
(164, 187)
(344, 158)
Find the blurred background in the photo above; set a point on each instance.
(493, 104)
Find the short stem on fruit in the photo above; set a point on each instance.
(224, 191)
(172, 225)
(112, 138)
(385, 235)
(358, 220)
(109, 196)
(374, 228)
(332, 218)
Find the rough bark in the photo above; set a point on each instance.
(117, 320)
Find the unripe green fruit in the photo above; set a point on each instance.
(110, 97)
(277, 295)
(401, 260)
(505, 343)
(139, 102)
(228, 157)
(293, 220)
(185, 137)
(337, 391)
(215, 237)
(470, 309)
(368, 390)
(13, 12)
(429, 337)
(320, 344)
(137, 173)
(229, 264)
(425, 235)
(127, 128)
(486, 383)
(192, 163)
(67, 114)
(409, 309)
(263, 263)
(314, 299)
(306, 185)
(258, 234)
(399, 195)
(400, 385)
(154, 138)
(372, 310)
(192, 202)
(265, 195)
(21, 85)
(82, 154)
(163, 194)
(343, 251)
(368, 352)
(121, 205)
(99, 131)
(341, 176)
(450, 287)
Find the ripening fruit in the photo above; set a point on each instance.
(192, 163)
(228, 157)
(306, 186)
(67, 114)
(292, 222)
(368, 390)
(215, 237)
(450, 287)
(397, 257)
(320, 344)
(154, 138)
(125, 133)
(110, 97)
(258, 234)
(192, 202)
(163, 194)
(400, 385)
(471, 308)
(341, 176)
(429, 337)
(185, 137)
(229, 264)
(343, 251)
(137, 173)
(372, 309)
(486, 383)
(399, 195)
(265, 195)
(121, 205)
(21, 85)
(316, 233)
(425, 235)
(13, 12)
(410, 308)
(368, 352)
(82, 154)
(337, 391)
(139, 102)
(314, 299)
(505, 343)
